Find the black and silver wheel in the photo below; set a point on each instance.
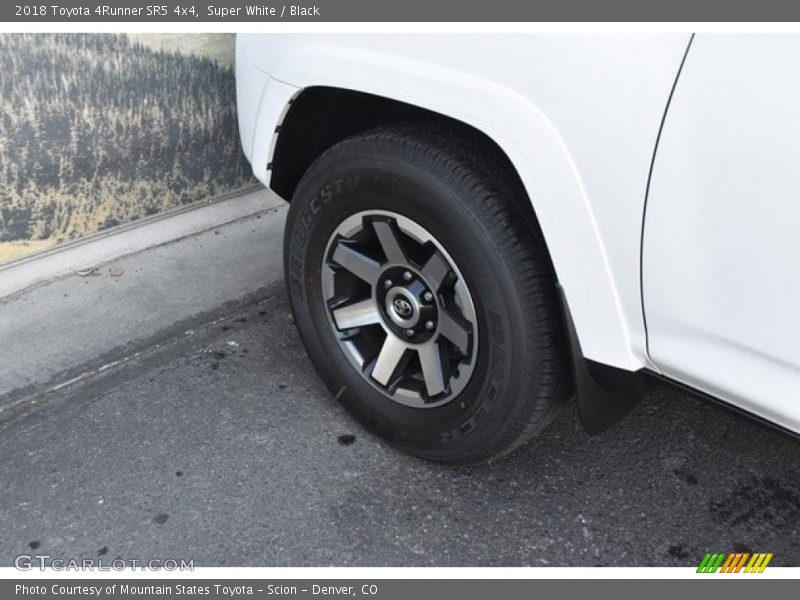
(424, 295)
(400, 308)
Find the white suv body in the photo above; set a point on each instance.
(662, 170)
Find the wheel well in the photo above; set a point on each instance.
(319, 117)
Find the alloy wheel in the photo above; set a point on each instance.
(399, 308)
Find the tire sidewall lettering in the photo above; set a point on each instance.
(494, 382)
(328, 192)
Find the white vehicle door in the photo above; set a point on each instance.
(721, 248)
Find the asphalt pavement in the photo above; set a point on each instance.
(220, 444)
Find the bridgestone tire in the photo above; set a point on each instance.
(465, 197)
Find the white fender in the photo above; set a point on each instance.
(581, 226)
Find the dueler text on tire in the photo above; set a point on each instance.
(424, 294)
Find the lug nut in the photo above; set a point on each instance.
(410, 332)
(429, 324)
(428, 296)
(387, 284)
(407, 276)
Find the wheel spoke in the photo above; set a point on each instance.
(389, 358)
(435, 270)
(389, 242)
(453, 331)
(430, 357)
(360, 265)
(357, 314)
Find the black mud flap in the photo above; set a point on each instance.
(605, 394)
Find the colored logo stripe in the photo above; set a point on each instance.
(735, 562)
(758, 563)
(711, 562)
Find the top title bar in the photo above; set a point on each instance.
(406, 11)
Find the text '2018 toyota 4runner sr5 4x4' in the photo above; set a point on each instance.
(483, 226)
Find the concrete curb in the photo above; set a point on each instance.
(182, 270)
(130, 356)
(28, 272)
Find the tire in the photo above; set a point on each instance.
(491, 382)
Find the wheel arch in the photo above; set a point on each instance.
(321, 116)
(330, 97)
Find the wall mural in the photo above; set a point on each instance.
(97, 130)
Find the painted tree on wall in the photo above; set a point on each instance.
(98, 130)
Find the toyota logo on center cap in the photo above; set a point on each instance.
(403, 307)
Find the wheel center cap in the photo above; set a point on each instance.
(407, 305)
(402, 307)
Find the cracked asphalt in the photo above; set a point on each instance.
(223, 446)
